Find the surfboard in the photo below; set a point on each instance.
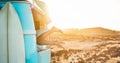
(3, 36)
(15, 41)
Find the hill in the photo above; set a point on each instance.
(91, 31)
(87, 34)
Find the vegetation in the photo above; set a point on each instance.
(107, 51)
(102, 53)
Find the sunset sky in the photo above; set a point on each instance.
(84, 13)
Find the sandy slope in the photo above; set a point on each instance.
(88, 52)
(91, 45)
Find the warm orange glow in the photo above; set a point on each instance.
(84, 13)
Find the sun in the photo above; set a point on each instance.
(84, 13)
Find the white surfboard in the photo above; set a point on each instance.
(15, 40)
(3, 36)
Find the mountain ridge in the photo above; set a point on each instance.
(94, 30)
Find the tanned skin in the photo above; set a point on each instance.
(41, 39)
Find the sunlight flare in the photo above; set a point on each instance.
(84, 13)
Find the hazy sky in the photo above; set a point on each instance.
(84, 13)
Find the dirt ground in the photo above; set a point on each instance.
(91, 45)
(87, 52)
(75, 45)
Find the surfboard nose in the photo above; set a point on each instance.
(25, 15)
(13, 41)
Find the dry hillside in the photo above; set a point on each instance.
(88, 34)
(90, 45)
